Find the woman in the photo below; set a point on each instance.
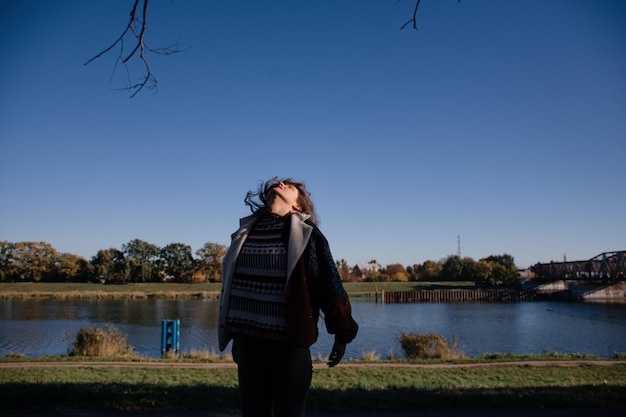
(278, 274)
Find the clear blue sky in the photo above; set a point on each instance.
(502, 122)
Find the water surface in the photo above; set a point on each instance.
(41, 327)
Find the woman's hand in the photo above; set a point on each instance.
(339, 349)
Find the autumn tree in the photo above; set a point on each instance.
(483, 273)
(32, 261)
(39, 261)
(343, 269)
(506, 260)
(429, 271)
(498, 270)
(396, 272)
(210, 260)
(71, 268)
(373, 274)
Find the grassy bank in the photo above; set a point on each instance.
(373, 387)
(27, 290)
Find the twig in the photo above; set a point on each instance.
(414, 20)
(139, 50)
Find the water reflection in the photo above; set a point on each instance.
(40, 327)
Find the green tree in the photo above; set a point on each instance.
(412, 271)
(505, 260)
(452, 269)
(177, 262)
(7, 272)
(210, 260)
(469, 269)
(141, 258)
(109, 266)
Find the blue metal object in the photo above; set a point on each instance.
(170, 336)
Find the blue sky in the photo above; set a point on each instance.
(502, 122)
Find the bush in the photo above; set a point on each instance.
(429, 346)
(108, 342)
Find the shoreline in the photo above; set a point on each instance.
(386, 292)
(187, 364)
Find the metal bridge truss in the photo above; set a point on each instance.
(608, 266)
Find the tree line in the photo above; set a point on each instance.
(135, 261)
(140, 261)
(492, 271)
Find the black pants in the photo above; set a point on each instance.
(274, 379)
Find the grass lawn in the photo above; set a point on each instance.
(373, 387)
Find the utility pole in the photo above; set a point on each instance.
(458, 242)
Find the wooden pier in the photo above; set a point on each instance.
(457, 296)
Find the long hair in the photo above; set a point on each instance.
(257, 200)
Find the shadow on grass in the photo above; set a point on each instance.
(25, 396)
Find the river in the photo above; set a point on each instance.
(40, 327)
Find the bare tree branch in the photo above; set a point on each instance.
(121, 38)
(135, 30)
(139, 35)
(414, 19)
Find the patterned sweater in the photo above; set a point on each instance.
(257, 300)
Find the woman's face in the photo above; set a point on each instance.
(284, 193)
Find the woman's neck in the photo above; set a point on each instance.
(279, 209)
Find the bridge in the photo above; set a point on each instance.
(607, 266)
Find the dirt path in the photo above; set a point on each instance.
(199, 365)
